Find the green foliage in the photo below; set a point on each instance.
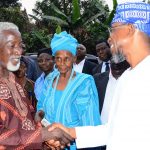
(108, 21)
(56, 20)
(33, 37)
(9, 3)
(63, 11)
(58, 11)
(36, 39)
(58, 29)
(75, 11)
(16, 16)
(147, 1)
(84, 19)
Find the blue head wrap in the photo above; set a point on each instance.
(64, 41)
(136, 13)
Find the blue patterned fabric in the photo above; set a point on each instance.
(137, 13)
(77, 105)
(63, 41)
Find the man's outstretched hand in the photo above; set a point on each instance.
(56, 144)
(56, 135)
(70, 131)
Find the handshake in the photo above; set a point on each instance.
(55, 136)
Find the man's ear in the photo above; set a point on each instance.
(131, 29)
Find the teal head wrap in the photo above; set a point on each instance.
(63, 41)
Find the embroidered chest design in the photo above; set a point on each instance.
(4, 91)
(20, 89)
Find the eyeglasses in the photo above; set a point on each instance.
(113, 29)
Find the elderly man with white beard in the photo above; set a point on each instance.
(17, 127)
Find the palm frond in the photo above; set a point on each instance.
(36, 11)
(58, 11)
(40, 37)
(56, 19)
(92, 18)
(34, 17)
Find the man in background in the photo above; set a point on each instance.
(82, 65)
(32, 71)
(106, 83)
(104, 55)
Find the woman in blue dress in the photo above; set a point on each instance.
(72, 97)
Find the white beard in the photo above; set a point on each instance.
(117, 53)
(12, 67)
(117, 58)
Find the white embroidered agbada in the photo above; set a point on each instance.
(128, 127)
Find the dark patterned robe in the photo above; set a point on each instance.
(16, 132)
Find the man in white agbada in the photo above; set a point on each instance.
(128, 127)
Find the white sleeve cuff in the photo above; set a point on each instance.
(91, 136)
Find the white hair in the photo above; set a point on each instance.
(8, 26)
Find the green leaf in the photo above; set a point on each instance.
(58, 29)
(108, 21)
(115, 4)
(36, 11)
(58, 11)
(92, 18)
(34, 17)
(41, 38)
(56, 19)
(76, 11)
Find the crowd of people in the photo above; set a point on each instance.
(75, 103)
